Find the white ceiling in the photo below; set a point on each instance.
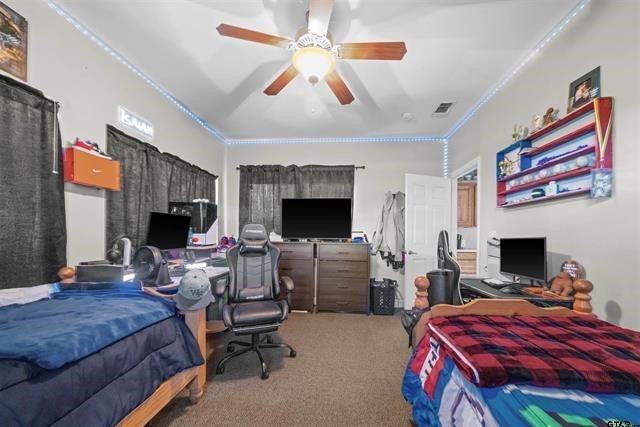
(456, 51)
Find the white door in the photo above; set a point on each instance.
(427, 211)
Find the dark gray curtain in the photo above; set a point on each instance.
(263, 187)
(150, 180)
(33, 238)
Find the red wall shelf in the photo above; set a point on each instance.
(567, 183)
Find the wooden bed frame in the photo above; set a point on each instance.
(503, 307)
(193, 378)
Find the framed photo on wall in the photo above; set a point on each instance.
(13, 42)
(584, 89)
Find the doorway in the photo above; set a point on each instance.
(466, 207)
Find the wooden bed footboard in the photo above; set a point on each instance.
(503, 307)
(193, 378)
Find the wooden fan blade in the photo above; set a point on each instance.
(281, 81)
(339, 88)
(380, 50)
(319, 16)
(252, 36)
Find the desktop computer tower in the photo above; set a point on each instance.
(204, 220)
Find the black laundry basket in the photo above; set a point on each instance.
(383, 296)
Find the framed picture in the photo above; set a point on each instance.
(13, 42)
(584, 89)
(601, 183)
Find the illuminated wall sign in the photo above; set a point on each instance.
(135, 122)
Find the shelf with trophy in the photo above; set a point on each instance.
(561, 157)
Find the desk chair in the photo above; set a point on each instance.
(254, 306)
(448, 262)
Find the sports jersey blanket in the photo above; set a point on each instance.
(76, 323)
(580, 353)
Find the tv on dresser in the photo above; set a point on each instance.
(321, 219)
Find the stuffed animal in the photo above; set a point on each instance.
(562, 284)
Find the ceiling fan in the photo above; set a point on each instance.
(314, 54)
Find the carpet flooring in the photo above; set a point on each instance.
(348, 371)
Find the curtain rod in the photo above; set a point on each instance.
(355, 167)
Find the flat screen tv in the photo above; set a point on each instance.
(524, 257)
(168, 231)
(316, 219)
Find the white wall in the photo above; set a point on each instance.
(386, 164)
(602, 234)
(90, 85)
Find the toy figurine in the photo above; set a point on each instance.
(515, 135)
(536, 123)
(506, 167)
(548, 116)
(562, 284)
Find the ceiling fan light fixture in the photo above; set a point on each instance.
(314, 63)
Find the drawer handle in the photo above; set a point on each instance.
(342, 287)
(286, 269)
(343, 271)
(343, 253)
(96, 171)
(342, 302)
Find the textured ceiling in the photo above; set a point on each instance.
(456, 51)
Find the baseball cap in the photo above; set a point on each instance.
(194, 291)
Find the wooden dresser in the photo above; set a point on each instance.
(343, 277)
(467, 261)
(297, 260)
(333, 276)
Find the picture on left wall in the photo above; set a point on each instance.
(13, 42)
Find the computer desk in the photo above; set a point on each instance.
(482, 290)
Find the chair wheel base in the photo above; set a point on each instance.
(265, 371)
(293, 353)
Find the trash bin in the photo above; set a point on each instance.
(440, 287)
(383, 296)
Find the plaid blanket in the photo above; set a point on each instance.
(558, 352)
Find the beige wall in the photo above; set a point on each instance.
(90, 85)
(386, 165)
(602, 234)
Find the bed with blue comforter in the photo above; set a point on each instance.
(88, 357)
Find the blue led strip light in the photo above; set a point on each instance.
(179, 104)
(336, 140)
(445, 158)
(541, 44)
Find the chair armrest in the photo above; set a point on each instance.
(287, 284)
(221, 285)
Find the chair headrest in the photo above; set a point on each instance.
(253, 239)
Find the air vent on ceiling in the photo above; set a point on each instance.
(443, 109)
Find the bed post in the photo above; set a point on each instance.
(581, 298)
(197, 322)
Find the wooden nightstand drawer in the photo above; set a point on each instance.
(466, 256)
(343, 251)
(344, 287)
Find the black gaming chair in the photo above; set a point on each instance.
(448, 262)
(254, 305)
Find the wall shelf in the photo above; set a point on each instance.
(570, 151)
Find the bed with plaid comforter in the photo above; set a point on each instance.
(524, 370)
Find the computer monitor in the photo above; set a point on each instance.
(524, 257)
(167, 231)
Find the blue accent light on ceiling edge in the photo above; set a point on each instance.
(212, 130)
(536, 50)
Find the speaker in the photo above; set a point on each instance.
(441, 287)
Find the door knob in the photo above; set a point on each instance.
(410, 252)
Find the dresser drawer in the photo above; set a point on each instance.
(295, 250)
(338, 302)
(343, 251)
(343, 269)
(344, 287)
(466, 256)
(297, 269)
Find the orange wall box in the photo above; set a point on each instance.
(85, 168)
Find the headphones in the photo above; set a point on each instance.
(120, 254)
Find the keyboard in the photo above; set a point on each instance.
(496, 283)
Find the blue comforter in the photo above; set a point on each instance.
(74, 324)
